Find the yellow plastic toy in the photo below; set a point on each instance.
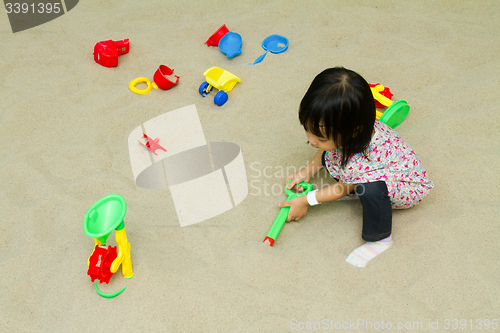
(133, 83)
(221, 80)
(396, 111)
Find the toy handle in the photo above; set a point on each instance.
(306, 186)
(277, 225)
(283, 214)
(376, 91)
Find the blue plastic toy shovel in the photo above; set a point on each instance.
(273, 44)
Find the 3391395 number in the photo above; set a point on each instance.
(478, 324)
(32, 8)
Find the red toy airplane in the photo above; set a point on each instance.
(151, 144)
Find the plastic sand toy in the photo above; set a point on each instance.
(230, 44)
(384, 92)
(283, 214)
(106, 52)
(160, 81)
(151, 144)
(274, 44)
(396, 111)
(216, 36)
(221, 80)
(104, 216)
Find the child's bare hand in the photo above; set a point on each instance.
(297, 177)
(298, 208)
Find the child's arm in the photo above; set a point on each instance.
(299, 205)
(334, 192)
(315, 165)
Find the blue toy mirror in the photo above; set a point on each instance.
(273, 44)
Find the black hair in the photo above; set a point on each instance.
(339, 106)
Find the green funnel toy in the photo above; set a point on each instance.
(104, 216)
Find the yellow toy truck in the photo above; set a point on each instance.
(221, 80)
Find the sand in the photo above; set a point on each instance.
(64, 124)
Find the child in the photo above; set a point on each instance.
(366, 157)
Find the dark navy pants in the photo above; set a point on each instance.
(377, 209)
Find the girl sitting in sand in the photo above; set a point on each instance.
(368, 159)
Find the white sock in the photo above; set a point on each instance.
(360, 256)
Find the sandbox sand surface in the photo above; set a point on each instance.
(64, 125)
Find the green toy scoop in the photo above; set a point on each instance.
(283, 214)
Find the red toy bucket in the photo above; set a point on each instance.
(215, 38)
(161, 80)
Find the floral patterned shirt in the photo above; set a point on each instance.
(389, 159)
